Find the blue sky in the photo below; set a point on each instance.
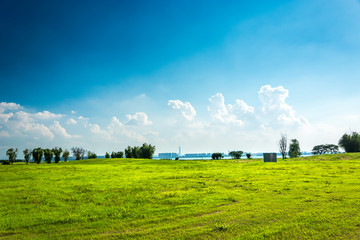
(204, 75)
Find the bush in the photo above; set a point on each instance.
(65, 155)
(145, 151)
(5, 162)
(217, 156)
(117, 154)
(248, 155)
(91, 155)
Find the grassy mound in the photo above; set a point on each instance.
(314, 197)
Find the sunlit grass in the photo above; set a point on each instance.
(306, 198)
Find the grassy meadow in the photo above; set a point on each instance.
(306, 198)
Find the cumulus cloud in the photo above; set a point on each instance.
(118, 129)
(71, 121)
(46, 115)
(57, 128)
(8, 106)
(186, 109)
(231, 113)
(138, 119)
(275, 109)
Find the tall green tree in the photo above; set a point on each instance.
(294, 149)
(57, 153)
(65, 155)
(37, 154)
(48, 154)
(107, 155)
(147, 151)
(27, 155)
(350, 142)
(217, 155)
(128, 152)
(117, 154)
(12, 154)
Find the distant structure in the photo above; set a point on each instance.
(270, 157)
(168, 155)
(179, 151)
(197, 155)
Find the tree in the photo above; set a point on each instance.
(48, 154)
(107, 155)
(236, 154)
(283, 145)
(27, 155)
(248, 155)
(65, 155)
(78, 152)
(147, 151)
(217, 156)
(325, 148)
(117, 154)
(350, 142)
(37, 154)
(128, 152)
(91, 155)
(135, 152)
(294, 149)
(12, 154)
(57, 152)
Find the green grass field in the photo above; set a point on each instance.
(306, 198)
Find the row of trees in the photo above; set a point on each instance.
(233, 154)
(39, 154)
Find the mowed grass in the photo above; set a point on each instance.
(306, 198)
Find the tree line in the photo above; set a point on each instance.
(47, 155)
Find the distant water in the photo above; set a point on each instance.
(255, 156)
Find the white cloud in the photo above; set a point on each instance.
(275, 109)
(57, 128)
(186, 109)
(4, 117)
(46, 115)
(228, 114)
(71, 121)
(73, 112)
(138, 119)
(8, 106)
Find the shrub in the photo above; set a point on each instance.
(248, 155)
(91, 155)
(65, 155)
(117, 154)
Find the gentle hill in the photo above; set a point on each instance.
(313, 197)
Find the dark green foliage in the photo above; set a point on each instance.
(57, 152)
(27, 155)
(48, 154)
(91, 155)
(12, 154)
(117, 154)
(350, 142)
(5, 162)
(145, 151)
(236, 154)
(248, 155)
(217, 156)
(294, 149)
(37, 154)
(107, 155)
(128, 152)
(78, 152)
(325, 148)
(65, 155)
